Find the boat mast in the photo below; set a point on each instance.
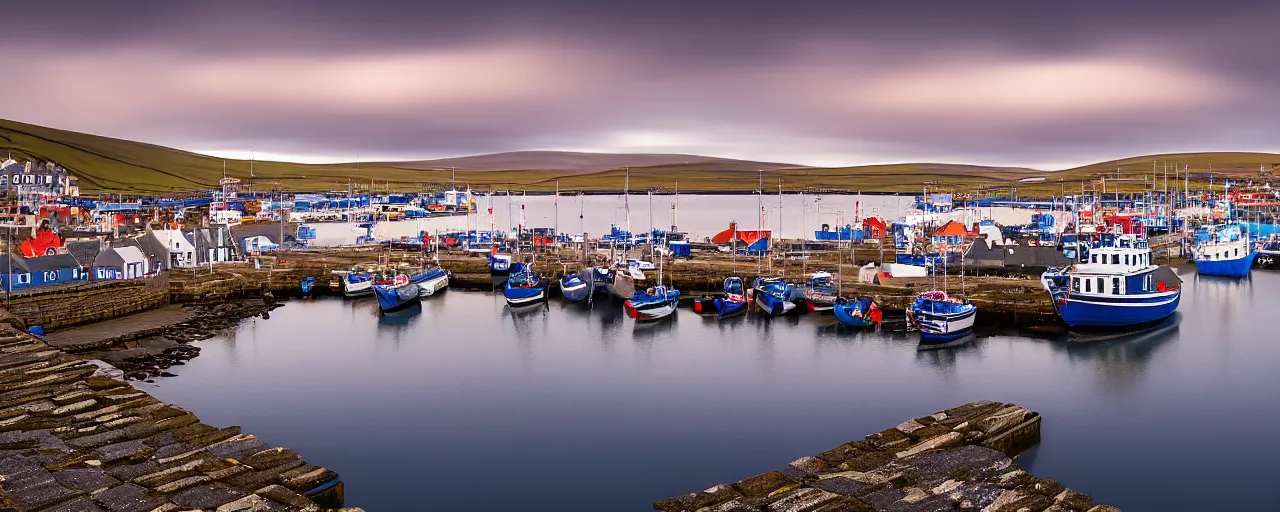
(626, 206)
(556, 224)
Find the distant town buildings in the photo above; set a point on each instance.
(38, 179)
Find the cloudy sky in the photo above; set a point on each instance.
(822, 83)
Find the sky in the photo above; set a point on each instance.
(817, 83)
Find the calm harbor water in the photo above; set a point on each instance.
(700, 216)
(462, 405)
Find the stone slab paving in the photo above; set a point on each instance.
(74, 439)
(957, 459)
(117, 329)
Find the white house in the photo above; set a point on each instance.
(170, 248)
(120, 263)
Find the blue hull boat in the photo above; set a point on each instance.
(395, 296)
(773, 297)
(524, 287)
(733, 302)
(653, 304)
(1080, 310)
(578, 287)
(1115, 288)
(943, 321)
(308, 284)
(857, 312)
(1238, 267)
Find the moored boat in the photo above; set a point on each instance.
(773, 296)
(943, 321)
(1116, 288)
(862, 312)
(733, 302)
(653, 304)
(578, 287)
(1226, 253)
(820, 292)
(499, 268)
(399, 293)
(524, 287)
(357, 284)
(307, 284)
(1269, 251)
(431, 281)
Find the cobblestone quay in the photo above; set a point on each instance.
(957, 459)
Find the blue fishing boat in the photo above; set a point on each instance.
(943, 321)
(524, 287)
(1227, 252)
(862, 312)
(653, 304)
(733, 302)
(308, 284)
(773, 296)
(1116, 288)
(400, 293)
(499, 268)
(578, 287)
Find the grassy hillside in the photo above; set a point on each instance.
(112, 165)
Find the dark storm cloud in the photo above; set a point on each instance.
(812, 82)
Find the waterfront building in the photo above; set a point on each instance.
(30, 178)
(168, 249)
(120, 263)
(27, 273)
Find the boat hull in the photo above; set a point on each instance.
(354, 290)
(577, 290)
(1238, 267)
(937, 330)
(432, 285)
(770, 305)
(518, 297)
(391, 298)
(856, 313)
(648, 312)
(1080, 310)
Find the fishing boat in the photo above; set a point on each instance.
(1227, 252)
(1117, 287)
(399, 293)
(621, 281)
(357, 284)
(499, 268)
(655, 303)
(431, 281)
(524, 287)
(773, 296)
(578, 287)
(820, 292)
(733, 302)
(943, 321)
(862, 312)
(308, 284)
(1269, 251)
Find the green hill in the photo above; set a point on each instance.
(119, 166)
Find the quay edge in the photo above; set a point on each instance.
(72, 437)
(957, 459)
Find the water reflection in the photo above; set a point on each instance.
(603, 387)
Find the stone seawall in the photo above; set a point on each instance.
(68, 306)
(957, 459)
(75, 439)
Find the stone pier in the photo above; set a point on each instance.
(73, 438)
(957, 459)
